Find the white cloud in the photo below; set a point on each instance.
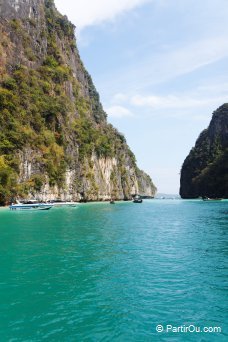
(198, 54)
(167, 64)
(119, 98)
(118, 112)
(177, 61)
(196, 107)
(91, 12)
(195, 104)
(214, 88)
(174, 102)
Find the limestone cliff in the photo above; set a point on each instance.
(205, 170)
(55, 141)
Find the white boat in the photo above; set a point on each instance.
(137, 199)
(31, 206)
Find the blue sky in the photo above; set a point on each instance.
(161, 69)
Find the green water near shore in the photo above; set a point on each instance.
(104, 272)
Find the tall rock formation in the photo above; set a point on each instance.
(205, 170)
(55, 141)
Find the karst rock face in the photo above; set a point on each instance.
(205, 170)
(23, 9)
(55, 141)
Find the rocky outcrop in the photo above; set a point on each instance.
(101, 180)
(204, 172)
(11, 9)
(55, 141)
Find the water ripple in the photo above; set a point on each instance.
(112, 273)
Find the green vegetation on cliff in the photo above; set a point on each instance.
(49, 105)
(205, 170)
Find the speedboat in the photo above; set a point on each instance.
(31, 206)
(137, 199)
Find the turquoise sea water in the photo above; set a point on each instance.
(104, 272)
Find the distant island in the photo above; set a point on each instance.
(205, 170)
(55, 141)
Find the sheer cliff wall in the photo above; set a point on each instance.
(55, 141)
(205, 170)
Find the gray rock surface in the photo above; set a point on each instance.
(94, 177)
